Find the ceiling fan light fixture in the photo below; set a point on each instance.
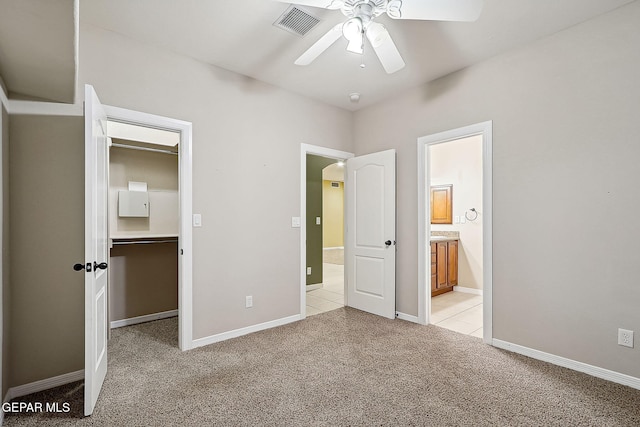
(393, 9)
(377, 35)
(352, 30)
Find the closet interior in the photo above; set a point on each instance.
(143, 224)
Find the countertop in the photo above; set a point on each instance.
(442, 238)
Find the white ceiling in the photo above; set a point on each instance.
(37, 42)
(239, 36)
(37, 48)
(333, 172)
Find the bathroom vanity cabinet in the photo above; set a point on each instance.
(444, 266)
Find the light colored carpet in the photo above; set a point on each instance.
(333, 256)
(341, 368)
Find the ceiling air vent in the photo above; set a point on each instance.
(296, 21)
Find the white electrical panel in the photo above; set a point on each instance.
(133, 204)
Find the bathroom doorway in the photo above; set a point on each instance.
(454, 179)
(455, 241)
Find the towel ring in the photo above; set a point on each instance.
(474, 214)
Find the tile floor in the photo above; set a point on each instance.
(459, 312)
(331, 295)
(456, 311)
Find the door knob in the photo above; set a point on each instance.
(388, 243)
(101, 266)
(80, 267)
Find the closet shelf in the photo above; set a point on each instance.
(132, 236)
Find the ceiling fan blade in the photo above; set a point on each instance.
(436, 10)
(324, 4)
(384, 48)
(320, 46)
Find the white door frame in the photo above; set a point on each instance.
(331, 154)
(185, 259)
(424, 226)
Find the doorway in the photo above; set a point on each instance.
(455, 240)
(454, 171)
(370, 226)
(323, 284)
(183, 130)
(143, 207)
(325, 234)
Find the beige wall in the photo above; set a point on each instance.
(332, 215)
(565, 175)
(160, 172)
(143, 280)
(46, 196)
(246, 170)
(5, 297)
(459, 163)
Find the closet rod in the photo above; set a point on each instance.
(135, 242)
(134, 147)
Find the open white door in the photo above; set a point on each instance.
(96, 250)
(370, 252)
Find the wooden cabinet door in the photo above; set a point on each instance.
(441, 204)
(441, 267)
(452, 262)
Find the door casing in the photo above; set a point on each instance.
(185, 255)
(424, 227)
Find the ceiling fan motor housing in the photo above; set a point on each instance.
(364, 9)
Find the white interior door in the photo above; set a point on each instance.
(370, 252)
(96, 251)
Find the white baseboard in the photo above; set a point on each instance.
(334, 247)
(467, 290)
(142, 319)
(407, 317)
(200, 342)
(594, 371)
(36, 386)
(314, 287)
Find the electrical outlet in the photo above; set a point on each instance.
(249, 301)
(625, 337)
(308, 271)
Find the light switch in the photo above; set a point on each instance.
(456, 219)
(295, 222)
(463, 220)
(317, 220)
(197, 220)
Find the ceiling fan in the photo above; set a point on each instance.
(360, 24)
